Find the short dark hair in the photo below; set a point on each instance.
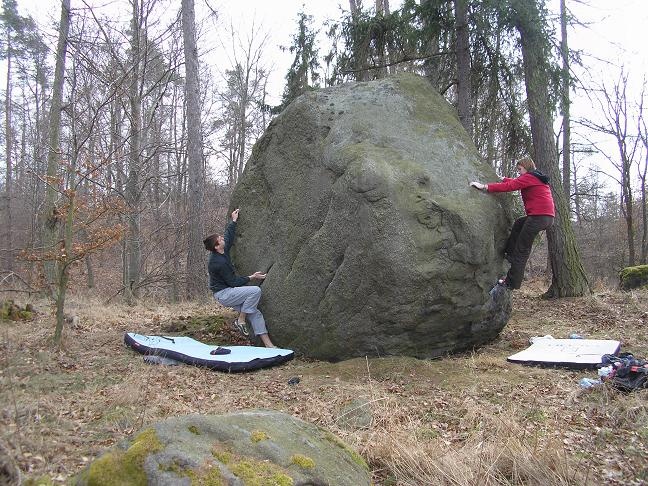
(211, 241)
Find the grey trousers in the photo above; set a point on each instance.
(244, 299)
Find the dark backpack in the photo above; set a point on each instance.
(628, 373)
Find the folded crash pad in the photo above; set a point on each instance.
(568, 353)
(190, 351)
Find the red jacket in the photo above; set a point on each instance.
(536, 193)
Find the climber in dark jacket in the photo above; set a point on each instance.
(232, 290)
(540, 213)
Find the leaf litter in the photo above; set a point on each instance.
(464, 419)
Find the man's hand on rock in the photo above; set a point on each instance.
(235, 214)
(258, 276)
(479, 185)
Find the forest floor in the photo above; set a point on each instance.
(471, 418)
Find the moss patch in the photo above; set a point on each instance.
(40, 481)
(260, 473)
(197, 327)
(634, 277)
(224, 455)
(304, 462)
(207, 475)
(194, 430)
(357, 458)
(124, 467)
(11, 311)
(258, 436)
(250, 471)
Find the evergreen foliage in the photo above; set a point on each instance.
(303, 73)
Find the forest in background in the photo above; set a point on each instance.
(121, 149)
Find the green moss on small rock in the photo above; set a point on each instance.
(260, 473)
(357, 458)
(39, 481)
(258, 436)
(194, 430)
(302, 461)
(207, 475)
(223, 456)
(198, 327)
(11, 311)
(633, 277)
(124, 467)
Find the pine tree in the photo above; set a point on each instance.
(302, 75)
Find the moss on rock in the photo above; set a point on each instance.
(260, 473)
(357, 458)
(124, 467)
(11, 311)
(222, 454)
(206, 475)
(197, 327)
(248, 448)
(302, 461)
(39, 481)
(258, 436)
(633, 277)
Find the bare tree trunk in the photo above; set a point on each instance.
(493, 88)
(565, 102)
(242, 131)
(133, 244)
(8, 230)
(196, 187)
(644, 214)
(627, 208)
(464, 88)
(577, 197)
(51, 227)
(569, 278)
(643, 173)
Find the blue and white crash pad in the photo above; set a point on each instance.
(190, 351)
(567, 353)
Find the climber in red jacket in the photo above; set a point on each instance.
(539, 207)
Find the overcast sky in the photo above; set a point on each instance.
(616, 31)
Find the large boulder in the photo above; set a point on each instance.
(356, 201)
(252, 447)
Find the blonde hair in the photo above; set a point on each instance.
(527, 163)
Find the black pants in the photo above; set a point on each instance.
(519, 243)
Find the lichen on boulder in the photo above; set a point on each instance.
(633, 277)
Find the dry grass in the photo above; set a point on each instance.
(463, 420)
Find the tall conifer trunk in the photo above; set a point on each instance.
(8, 231)
(196, 182)
(464, 99)
(568, 279)
(133, 243)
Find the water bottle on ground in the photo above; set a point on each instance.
(589, 382)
